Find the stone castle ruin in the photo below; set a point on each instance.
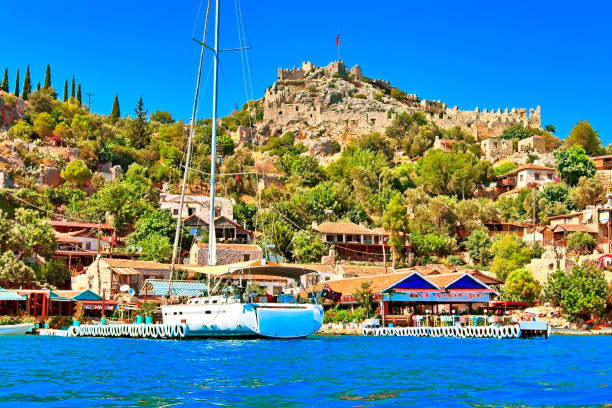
(343, 102)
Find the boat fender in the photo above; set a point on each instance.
(500, 332)
(517, 332)
(73, 331)
(480, 331)
(462, 332)
(182, 330)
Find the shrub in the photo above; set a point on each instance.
(360, 96)
(580, 242)
(398, 94)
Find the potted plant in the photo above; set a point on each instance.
(79, 315)
(147, 309)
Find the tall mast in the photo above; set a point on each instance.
(177, 233)
(212, 247)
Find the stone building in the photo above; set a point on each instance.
(532, 144)
(494, 149)
(105, 276)
(197, 205)
(226, 253)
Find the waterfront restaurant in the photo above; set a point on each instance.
(411, 299)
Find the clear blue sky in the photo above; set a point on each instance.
(487, 54)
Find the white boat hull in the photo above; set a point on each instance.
(274, 320)
(15, 329)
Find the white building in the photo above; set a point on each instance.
(197, 205)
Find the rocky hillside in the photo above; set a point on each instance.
(325, 104)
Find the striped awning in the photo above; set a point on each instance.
(126, 271)
(11, 295)
(159, 287)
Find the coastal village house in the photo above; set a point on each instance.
(354, 242)
(493, 148)
(226, 253)
(226, 229)
(105, 276)
(445, 145)
(523, 176)
(78, 243)
(42, 303)
(197, 205)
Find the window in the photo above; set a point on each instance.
(330, 238)
(190, 211)
(246, 257)
(537, 176)
(175, 211)
(217, 212)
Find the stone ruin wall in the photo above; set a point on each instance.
(280, 109)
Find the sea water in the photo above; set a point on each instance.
(320, 371)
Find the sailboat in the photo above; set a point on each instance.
(234, 313)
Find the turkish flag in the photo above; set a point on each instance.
(338, 39)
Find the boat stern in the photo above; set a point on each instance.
(287, 321)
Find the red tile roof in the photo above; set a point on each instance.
(344, 228)
(74, 224)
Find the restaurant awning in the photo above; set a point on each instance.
(159, 287)
(11, 295)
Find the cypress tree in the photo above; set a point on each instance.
(17, 83)
(73, 89)
(66, 91)
(116, 112)
(38, 87)
(48, 77)
(79, 95)
(27, 84)
(4, 86)
(139, 134)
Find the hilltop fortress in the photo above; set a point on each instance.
(343, 102)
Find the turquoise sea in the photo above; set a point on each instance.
(320, 371)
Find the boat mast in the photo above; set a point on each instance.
(212, 248)
(179, 220)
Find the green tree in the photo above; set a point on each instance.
(581, 293)
(582, 134)
(27, 84)
(509, 253)
(47, 77)
(21, 130)
(33, 235)
(53, 272)
(16, 93)
(156, 247)
(308, 247)
(550, 128)
(478, 245)
(364, 298)
(305, 169)
(4, 85)
(573, 163)
(78, 96)
(41, 101)
(580, 242)
(395, 219)
(520, 286)
(76, 172)
(116, 112)
(518, 132)
(44, 124)
(139, 133)
(13, 272)
(66, 91)
(162, 117)
(587, 192)
(452, 173)
(72, 89)
(157, 221)
(398, 94)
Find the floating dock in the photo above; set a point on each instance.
(523, 330)
(151, 331)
